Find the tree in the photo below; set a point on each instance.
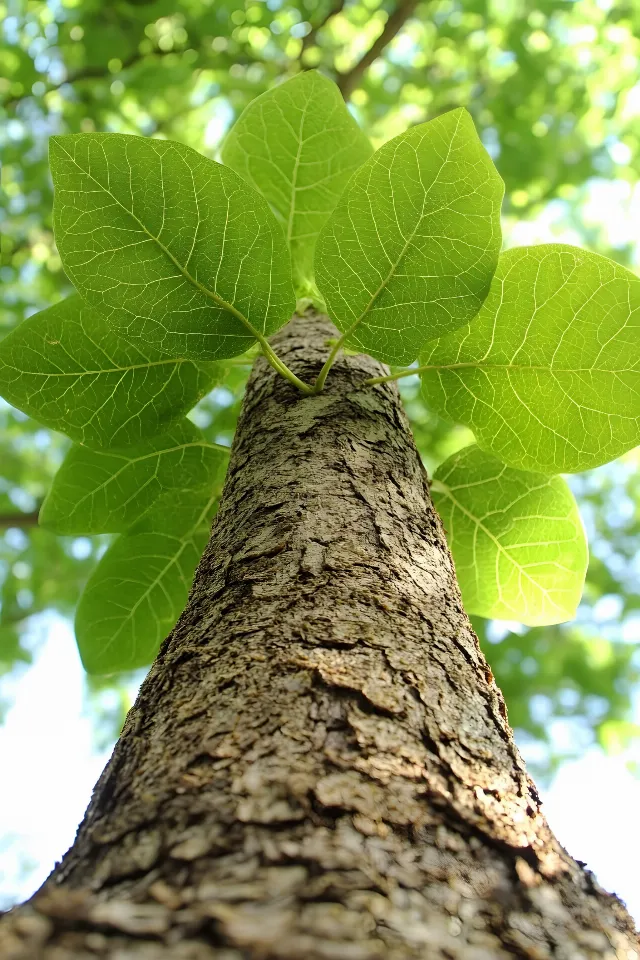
(319, 762)
(551, 92)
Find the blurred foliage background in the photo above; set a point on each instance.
(554, 89)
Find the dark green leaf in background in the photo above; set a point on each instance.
(141, 584)
(106, 491)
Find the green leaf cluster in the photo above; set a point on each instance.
(124, 404)
(411, 248)
(180, 262)
(547, 376)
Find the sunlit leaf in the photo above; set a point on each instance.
(297, 144)
(66, 368)
(516, 537)
(175, 249)
(409, 252)
(548, 375)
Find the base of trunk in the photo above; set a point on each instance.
(356, 897)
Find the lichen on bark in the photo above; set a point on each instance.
(319, 763)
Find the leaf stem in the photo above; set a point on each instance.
(221, 448)
(19, 519)
(282, 368)
(272, 357)
(322, 376)
(397, 376)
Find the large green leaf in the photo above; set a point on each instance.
(516, 537)
(409, 252)
(66, 368)
(298, 145)
(140, 586)
(106, 491)
(548, 375)
(175, 249)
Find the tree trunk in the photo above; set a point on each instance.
(319, 764)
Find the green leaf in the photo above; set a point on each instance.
(548, 375)
(66, 368)
(141, 585)
(298, 145)
(100, 491)
(175, 249)
(516, 537)
(409, 252)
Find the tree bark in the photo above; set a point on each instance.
(319, 765)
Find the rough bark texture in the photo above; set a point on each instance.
(319, 764)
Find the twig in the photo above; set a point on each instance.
(310, 38)
(87, 73)
(349, 80)
(19, 519)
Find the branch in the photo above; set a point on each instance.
(91, 73)
(351, 79)
(86, 73)
(97, 73)
(310, 38)
(19, 519)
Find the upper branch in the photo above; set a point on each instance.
(310, 38)
(19, 519)
(102, 71)
(350, 80)
(86, 73)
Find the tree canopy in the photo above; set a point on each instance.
(553, 94)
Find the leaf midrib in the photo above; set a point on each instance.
(294, 174)
(103, 371)
(210, 294)
(383, 285)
